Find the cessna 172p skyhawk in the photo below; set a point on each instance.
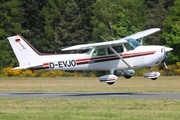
(123, 55)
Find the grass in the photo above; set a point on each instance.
(85, 84)
(89, 109)
(92, 108)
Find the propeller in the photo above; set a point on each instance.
(165, 60)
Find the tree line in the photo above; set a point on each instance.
(50, 25)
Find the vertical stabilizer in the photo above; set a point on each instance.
(26, 54)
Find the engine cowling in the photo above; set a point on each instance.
(109, 79)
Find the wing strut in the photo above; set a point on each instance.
(120, 57)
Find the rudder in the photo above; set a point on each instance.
(26, 54)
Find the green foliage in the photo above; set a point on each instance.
(5, 54)
(52, 16)
(171, 32)
(33, 24)
(11, 17)
(124, 27)
(156, 13)
(71, 23)
(117, 18)
(86, 11)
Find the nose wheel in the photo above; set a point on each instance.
(153, 78)
(153, 75)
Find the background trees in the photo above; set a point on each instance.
(70, 27)
(11, 17)
(51, 15)
(54, 24)
(171, 32)
(156, 13)
(117, 18)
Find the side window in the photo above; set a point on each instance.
(118, 49)
(99, 52)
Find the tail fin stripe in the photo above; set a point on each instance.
(34, 49)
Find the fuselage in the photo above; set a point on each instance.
(129, 54)
(141, 56)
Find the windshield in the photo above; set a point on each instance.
(133, 43)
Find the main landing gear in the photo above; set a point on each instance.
(109, 79)
(153, 75)
(126, 73)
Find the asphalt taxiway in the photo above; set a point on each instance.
(128, 95)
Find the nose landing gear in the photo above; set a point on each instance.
(153, 75)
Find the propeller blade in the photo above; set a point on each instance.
(165, 61)
(165, 65)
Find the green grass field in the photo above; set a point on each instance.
(86, 84)
(92, 108)
(89, 109)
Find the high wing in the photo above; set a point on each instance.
(110, 43)
(93, 45)
(143, 33)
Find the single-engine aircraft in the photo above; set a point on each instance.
(123, 56)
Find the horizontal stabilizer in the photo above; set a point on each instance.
(32, 67)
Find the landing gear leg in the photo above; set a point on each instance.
(111, 73)
(152, 71)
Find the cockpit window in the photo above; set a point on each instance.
(99, 52)
(118, 49)
(132, 44)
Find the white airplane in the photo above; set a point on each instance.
(123, 55)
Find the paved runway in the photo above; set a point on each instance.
(130, 95)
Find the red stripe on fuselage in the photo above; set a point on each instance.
(85, 60)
